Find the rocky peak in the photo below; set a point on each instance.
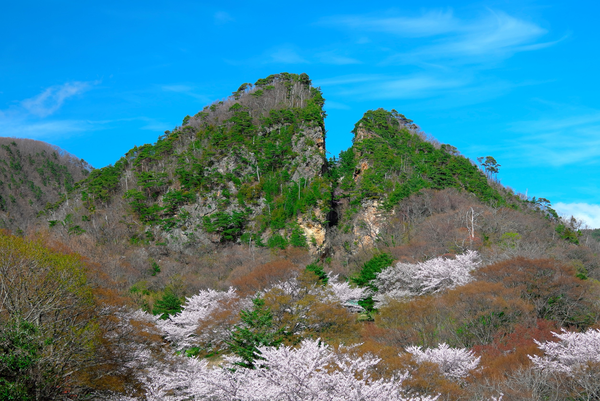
(247, 169)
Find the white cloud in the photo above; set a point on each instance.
(186, 90)
(286, 55)
(43, 130)
(333, 58)
(562, 139)
(497, 33)
(495, 36)
(429, 24)
(482, 40)
(390, 87)
(588, 213)
(177, 88)
(349, 79)
(51, 99)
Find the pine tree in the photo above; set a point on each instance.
(255, 331)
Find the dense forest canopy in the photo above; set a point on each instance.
(231, 260)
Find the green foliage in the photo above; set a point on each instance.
(256, 330)
(368, 273)
(155, 268)
(277, 241)
(397, 163)
(102, 183)
(147, 214)
(568, 234)
(229, 226)
(174, 199)
(21, 351)
(150, 153)
(319, 272)
(49, 325)
(510, 240)
(151, 182)
(369, 270)
(261, 162)
(168, 305)
(298, 238)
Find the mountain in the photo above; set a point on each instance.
(390, 160)
(236, 233)
(250, 171)
(34, 175)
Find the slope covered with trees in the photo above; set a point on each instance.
(243, 170)
(230, 260)
(33, 176)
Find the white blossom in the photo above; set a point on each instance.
(335, 291)
(571, 352)
(454, 363)
(407, 280)
(181, 329)
(310, 372)
(341, 292)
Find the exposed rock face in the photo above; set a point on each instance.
(315, 231)
(368, 223)
(311, 149)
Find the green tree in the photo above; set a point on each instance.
(256, 330)
(167, 306)
(490, 166)
(319, 272)
(21, 349)
(48, 322)
(368, 273)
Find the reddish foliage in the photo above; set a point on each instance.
(550, 286)
(264, 276)
(508, 353)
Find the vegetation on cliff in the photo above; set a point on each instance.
(230, 253)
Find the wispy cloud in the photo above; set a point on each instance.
(392, 87)
(52, 98)
(449, 39)
(29, 118)
(430, 23)
(45, 130)
(349, 79)
(286, 55)
(337, 59)
(444, 55)
(185, 89)
(557, 141)
(588, 213)
(496, 36)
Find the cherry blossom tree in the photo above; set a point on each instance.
(182, 329)
(313, 371)
(435, 275)
(454, 363)
(572, 352)
(334, 291)
(346, 295)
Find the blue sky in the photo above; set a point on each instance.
(517, 80)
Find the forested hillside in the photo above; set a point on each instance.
(230, 260)
(34, 175)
